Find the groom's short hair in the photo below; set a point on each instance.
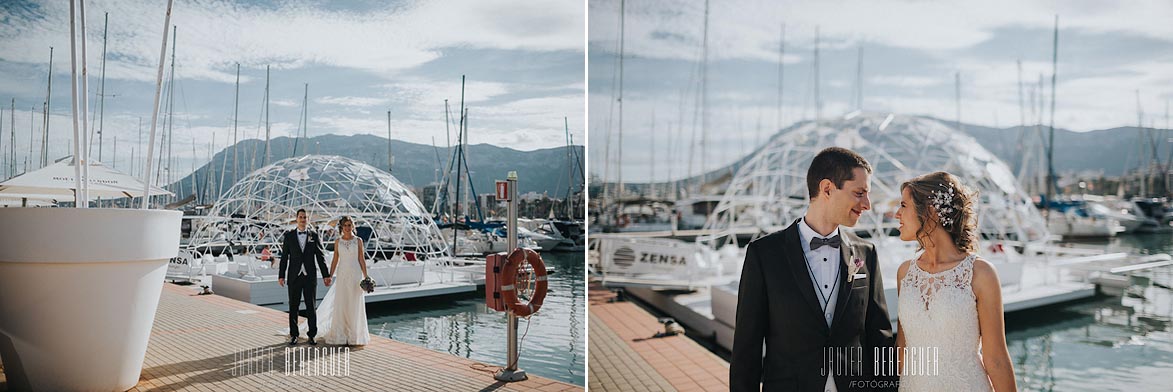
(836, 164)
(301, 211)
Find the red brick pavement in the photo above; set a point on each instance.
(677, 359)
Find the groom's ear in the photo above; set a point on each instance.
(825, 186)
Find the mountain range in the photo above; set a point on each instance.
(1112, 152)
(416, 165)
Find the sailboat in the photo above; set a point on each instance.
(468, 236)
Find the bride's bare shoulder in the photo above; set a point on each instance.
(902, 270)
(903, 267)
(985, 276)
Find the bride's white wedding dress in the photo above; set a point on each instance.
(342, 315)
(939, 312)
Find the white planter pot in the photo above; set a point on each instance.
(78, 294)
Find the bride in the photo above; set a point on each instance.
(342, 315)
(951, 333)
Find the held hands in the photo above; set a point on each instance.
(327, 280)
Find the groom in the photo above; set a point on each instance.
(302, 247)
(813, 293)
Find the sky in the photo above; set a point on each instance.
(1111, 55)
(523, 62)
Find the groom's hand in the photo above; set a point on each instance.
(327, 279)
(281, 282)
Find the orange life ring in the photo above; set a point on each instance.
(509, 282)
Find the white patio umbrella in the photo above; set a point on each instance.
(56, 182)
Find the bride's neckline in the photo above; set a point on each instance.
(916, 262)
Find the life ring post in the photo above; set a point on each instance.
(511, 372)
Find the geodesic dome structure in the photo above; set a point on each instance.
(769, 191)
(261, 206)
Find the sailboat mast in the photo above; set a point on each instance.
(154, 112)
(44, 146)
(442, 197)
(1141, 172)
(1051, 133)
(102, 87)
(569, 168)
(235, 127)
(48, 105)
(134, 159)
(652, 147)
(301, 120)
(305, 114)
(170, 168)
(12, 139)
(28, 159)
(267, 129)
(209, 174)
(194, 190)
(459, 136)
(389, 159)
(818, 97)
(705, 97)
(223, 169)
(957, 96)
(619, 159)
(859, 80)
(3, 151)
(781, 57)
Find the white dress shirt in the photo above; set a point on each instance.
(824, 266)
(301, 238)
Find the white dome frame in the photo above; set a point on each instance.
(769, 191)
(260, 207)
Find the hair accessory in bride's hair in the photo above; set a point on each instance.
(943, 203)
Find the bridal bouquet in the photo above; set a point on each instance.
(367, 284)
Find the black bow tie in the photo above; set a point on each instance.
(301, 233)
(833, 242)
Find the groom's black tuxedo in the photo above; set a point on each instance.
(303, 287)
(776, 304)
(291, 251)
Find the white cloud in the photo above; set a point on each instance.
(904, 81)
(751, 29)
(433, 93)
(288, 103)
(352, 101)
(214, 35)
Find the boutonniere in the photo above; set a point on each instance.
(855, 265)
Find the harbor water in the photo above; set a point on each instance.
(1106, 343)
(554, 346)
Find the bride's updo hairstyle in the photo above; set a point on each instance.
(942, 202)
(343, 220)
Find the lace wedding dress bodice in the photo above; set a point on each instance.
(938, 317)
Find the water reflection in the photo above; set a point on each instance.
(553, 347)
(1106, 343)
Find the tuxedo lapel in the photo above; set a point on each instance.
(847, 258)
(796, 259)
